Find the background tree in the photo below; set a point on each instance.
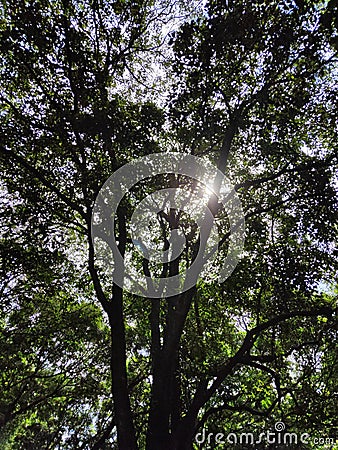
(252, 87)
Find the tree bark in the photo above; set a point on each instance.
(164, 389)
(124, 421)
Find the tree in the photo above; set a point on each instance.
(249, 86)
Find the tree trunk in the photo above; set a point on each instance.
(164, 390)
(124, 422)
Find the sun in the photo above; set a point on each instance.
(208, 190)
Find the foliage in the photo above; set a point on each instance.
(87, 86)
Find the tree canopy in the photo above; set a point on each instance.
(88, 86)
